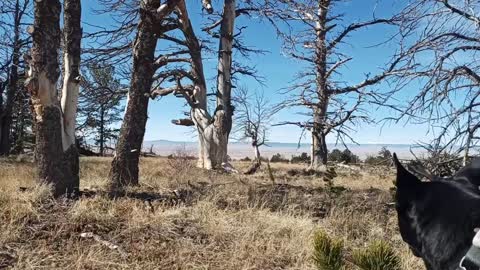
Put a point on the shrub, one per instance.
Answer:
(345, 156)
(439, 163)
(349, 157)
(302, 158)
(246, 159)
(377, 256)
(180, 163)
(383, 157)
(335, 155)
(328, 253)
(385, 153)
(278, 158)
(373, 160)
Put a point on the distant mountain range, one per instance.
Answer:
(274, 144)
(243, 149)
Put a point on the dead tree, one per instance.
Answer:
(15, 41)
(253, 117)
(335, 106)
(214, 128)
(124, 170)
(72, 36)
(57, 158)
(42, 79)
(150, 20)
(440, 38)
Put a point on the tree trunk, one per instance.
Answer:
(319, 129)
(124, 170)
(2, 87)
(224, 81)
(319, 151)
(20, 134)
(212, 150)
(208, 141)
(6, 122)
(257, 153)
(213, 131)
(102, 130)
(42, 79)
(467, 146)
(72, 36)
(12, 87)
(256, 163)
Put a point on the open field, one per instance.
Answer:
(215, 221)
(239, 150)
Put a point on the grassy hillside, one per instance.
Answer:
(184, 218)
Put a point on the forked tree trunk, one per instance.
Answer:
(72, 36)
(42, 79)
(211, 143)
(213, 130)
(212, 146)
(124, 170)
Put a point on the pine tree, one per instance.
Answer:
(100, 107)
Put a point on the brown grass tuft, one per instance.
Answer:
(209, 220)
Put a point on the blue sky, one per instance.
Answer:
(279, 71)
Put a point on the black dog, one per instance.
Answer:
(437, 219)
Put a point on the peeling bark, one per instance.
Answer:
(124, 170)
(72, 35)
(212, 151)
(53, 162)
(213, 130)
(224, 78)
(49, 152)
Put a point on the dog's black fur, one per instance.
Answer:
(437, 219)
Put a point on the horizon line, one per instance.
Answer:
(306, 143)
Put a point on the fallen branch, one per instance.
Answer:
(110, 245)
(227, 167)
(341, 165)
(253, 168)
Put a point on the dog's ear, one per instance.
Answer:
(404, 177)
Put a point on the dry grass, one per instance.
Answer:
(220, 222)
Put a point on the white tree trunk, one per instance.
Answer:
(257, 153)
(213, 130)
(69, 104)
(211, 150)
(224, 110)
(72, 36)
